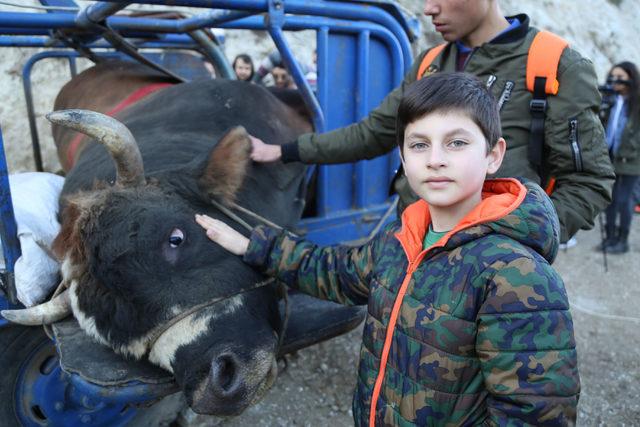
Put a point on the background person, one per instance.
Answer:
(483, 42)
(622, 123)
(243, 67)
(281, 77)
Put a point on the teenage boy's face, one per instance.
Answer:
(456, 19)
(445, 159)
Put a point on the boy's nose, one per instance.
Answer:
(431, 8)
(436, 158)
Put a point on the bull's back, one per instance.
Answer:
(101, 88)
(178, 127)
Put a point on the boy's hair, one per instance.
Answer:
(445, 92)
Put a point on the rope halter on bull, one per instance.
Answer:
(123, 148)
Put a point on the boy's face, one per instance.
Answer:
(456, 19)
(445, 159)
(242, 69)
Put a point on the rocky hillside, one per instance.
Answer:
(603, 30)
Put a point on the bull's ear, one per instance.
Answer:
(227, 166)
(76, 217)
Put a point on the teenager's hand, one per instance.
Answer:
(264, 153)
(223, 235)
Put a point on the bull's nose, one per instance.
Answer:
(224, 376)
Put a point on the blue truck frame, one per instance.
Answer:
(363, 52)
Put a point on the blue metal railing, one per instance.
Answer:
(363, 52)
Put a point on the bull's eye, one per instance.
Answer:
(176, 238)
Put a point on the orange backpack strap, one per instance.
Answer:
(542, 70)
(543, 60)
(428, 59)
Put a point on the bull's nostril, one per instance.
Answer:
(227, 372)
(224, 373)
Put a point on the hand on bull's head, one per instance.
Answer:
(224, 235)
(264, 153)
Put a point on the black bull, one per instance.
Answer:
(133, 256)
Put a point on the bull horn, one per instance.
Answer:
(115, 136)
(51, 311)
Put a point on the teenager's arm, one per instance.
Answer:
(371, 137)
(526, 345)
(577, 152)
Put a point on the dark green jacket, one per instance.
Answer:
(627, 159)
(483, 334)
(584, 177)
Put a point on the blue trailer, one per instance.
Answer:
(363, 52)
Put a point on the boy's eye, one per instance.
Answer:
(457, 143)
(419, 145)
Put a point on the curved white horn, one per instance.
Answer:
(51, 311)
(115, 136)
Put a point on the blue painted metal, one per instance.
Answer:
(8, 228)
(163, 42)
(46, 395)
(275, 21)
(363, 52)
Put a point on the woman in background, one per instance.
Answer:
(622, 124)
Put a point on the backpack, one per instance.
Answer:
(542, 67)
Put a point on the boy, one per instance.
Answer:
(467, 321)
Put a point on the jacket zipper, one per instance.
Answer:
(384, 356)
(506, 94)
(575, 145)
(491, 80)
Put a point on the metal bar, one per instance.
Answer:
(322, 50)
(72, 66)
(302, 7)
(98, 12)
(8, 228)
(26, 83)
(274, 22)
(306, 23)
(311, 7)
(362, 103)
(168, 40)
(213, 52)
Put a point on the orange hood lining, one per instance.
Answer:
(500, 197)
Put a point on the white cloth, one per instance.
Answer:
(35, 204)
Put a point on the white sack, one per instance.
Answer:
(35, 203)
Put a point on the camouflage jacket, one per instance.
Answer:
(475, 330)
(577, 159)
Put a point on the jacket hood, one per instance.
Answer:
(515, 208)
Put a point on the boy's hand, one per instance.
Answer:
(223, 235)
(264, 153)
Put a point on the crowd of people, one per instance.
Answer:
(468, 322)
(273, 67)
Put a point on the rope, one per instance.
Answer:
(604, 315)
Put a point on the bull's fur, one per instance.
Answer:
(125, 276)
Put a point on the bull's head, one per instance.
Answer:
(133, 258)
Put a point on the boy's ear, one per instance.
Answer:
(496, 155)
(401, 156)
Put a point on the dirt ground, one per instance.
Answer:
(317, 386)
